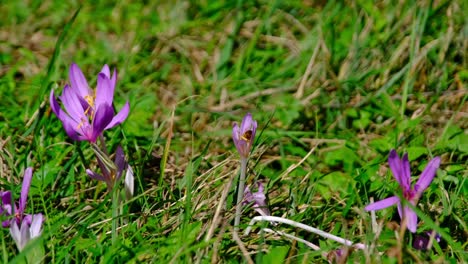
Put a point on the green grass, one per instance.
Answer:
(381, 76)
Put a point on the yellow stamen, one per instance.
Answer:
(90, 99)
(81, 123)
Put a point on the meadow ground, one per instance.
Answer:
(333, 85)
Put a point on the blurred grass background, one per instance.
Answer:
(354, 78)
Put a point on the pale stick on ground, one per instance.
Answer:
(305, 227)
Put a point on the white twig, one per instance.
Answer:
(312, 246)
(305, 227)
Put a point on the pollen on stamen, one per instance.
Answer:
(90, 99)
(88, 110)
(81, 123)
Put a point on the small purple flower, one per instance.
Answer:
(258, 199)
(339, 255)
(244, 136)
(23, 227)
(421, 241)
(401, 171)
(111, 175)
(88, 113)
(27, 230)
(7, 207)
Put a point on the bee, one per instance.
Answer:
(247, 136)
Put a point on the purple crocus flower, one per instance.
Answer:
(111, 175)
(27, 230)
(23, 227)
(258, 199)
(244, 135)
(88, 113)
(401, 171)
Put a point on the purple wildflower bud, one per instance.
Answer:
(257, 199)
(7, 207)
(88, 113)
(339, 255)
(244, 135)
(401, 171)
(421, 241)
(111, 175)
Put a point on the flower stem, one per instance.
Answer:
(115, 208)
(103, 145)
(103, 157)
(240, 193)
(400, 238)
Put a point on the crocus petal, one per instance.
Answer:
(6, 223)
(427, 176)
(411, 219)
(73, 106)
(20, 235)
(254, 132)
(248, 197)
(382, 203)
(396, 167)
(72, 128)
(78, 81)
(69, 124)
(247, 123)
(260, 187)
(101, 119)
(241, 145)
(27, 219)
(120, 162)
(400, 210)
(16, 234)
(54, 104)
(104, 91)
(406, 173)
(120, 117)
(25, 189)
(6, 202)
(113, 79)
(129, 183)
(36, 225)
(77, 126)
(236, 135)
(260, 204)
(258, 199)
(235, 132)
(105, 70)
(6, 197)
(95, 175)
